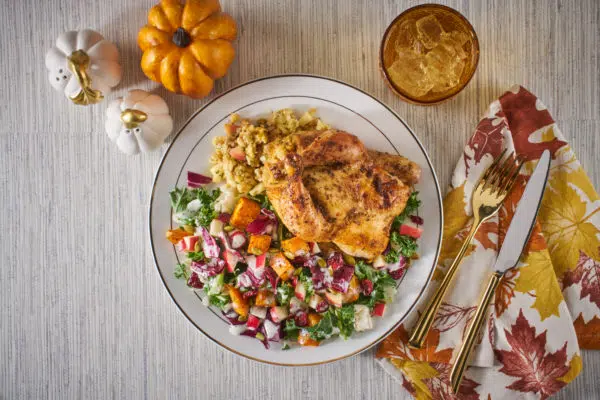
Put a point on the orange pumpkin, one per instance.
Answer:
(187, 46)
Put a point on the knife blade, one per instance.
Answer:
(523, 220)
(516, 238)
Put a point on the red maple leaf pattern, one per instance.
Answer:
(538, 371)
(487, 139)
(450, 315)
(586, 273)
(524, 118)
(441, 388)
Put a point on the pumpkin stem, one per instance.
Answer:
(181, 38)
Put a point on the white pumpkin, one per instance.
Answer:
(138, 122)
(84, 66)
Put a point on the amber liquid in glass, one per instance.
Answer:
(429, 53)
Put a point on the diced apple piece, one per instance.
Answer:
(259, 244)
(190, 243)
(279, 313)
(379, 262)
(334, 298)
(282, 266)
(295, 246)
(379, 309)
(411, 229)
(314, 301)
(353, 291)
(271, 330)
(314, 248)
(238, 153)
(300, 291)
(253, 322)
(231, 257)
(216, 227)
(260, 312)
(297, 305)
(237, 239)
(245, 211)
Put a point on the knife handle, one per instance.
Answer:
(458, 369)
(420, 330)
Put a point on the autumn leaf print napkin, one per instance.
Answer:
(548, 307)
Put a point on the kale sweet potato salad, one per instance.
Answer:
(273, 286)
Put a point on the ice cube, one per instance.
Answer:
(407, 37)
(408, 74)
(429, 31)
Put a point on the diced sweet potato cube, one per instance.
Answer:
(245, 211)
(239, 303)
(353, 291)
(304, 339)
(259, 244)
(295, 246)
(264, 298)
(175, 235)
(313, 319)
(282, 266)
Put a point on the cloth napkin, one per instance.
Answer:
(547, 308)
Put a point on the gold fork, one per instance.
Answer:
(492, 189)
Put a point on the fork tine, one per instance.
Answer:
(512, 177)
(492, 166)
(492, 170)
(500, 173)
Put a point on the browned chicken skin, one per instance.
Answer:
(327, 187)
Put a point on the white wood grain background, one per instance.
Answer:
(83, 312)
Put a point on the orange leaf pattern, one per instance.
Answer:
(530, 330)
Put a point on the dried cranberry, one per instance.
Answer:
(367, 286)
(301, 318)
(194, 281)
(416, 219)
(397, 274)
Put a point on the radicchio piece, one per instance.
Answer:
(204, 269)
(366, 286)
(341, 278)
(264, 224)
(416, 219)
(318, 277)
(197, 180)
(335, 261)
(271, 275)
(233, 318)
(194, 281)
(209, 244)
(250, 293)
(322, 306)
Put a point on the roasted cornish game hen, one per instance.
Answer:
(327, 187)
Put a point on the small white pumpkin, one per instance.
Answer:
(84, 66)
(138, 122)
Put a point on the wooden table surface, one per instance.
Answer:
(83, 311)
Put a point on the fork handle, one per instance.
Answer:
(458, 369)
(420, 330)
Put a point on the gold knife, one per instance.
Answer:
(515, 240)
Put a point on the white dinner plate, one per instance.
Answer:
(341, 106)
